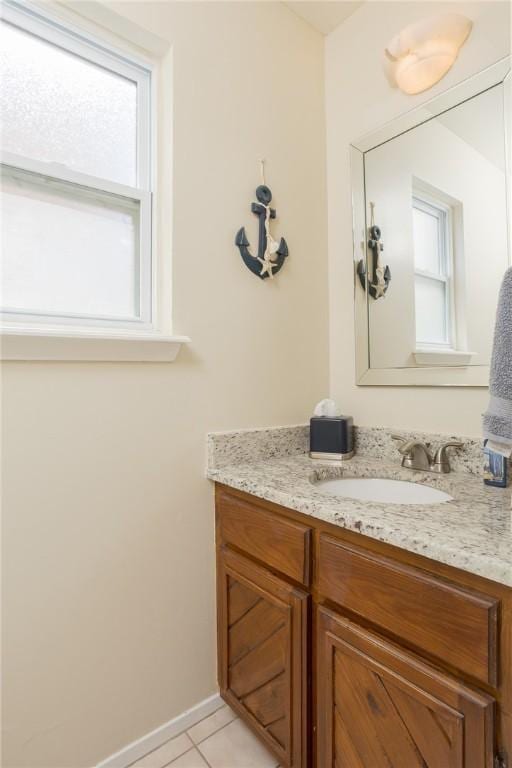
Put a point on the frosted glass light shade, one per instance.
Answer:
(421, 54)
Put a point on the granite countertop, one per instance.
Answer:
(473, 532)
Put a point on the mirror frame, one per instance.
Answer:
(445, 376)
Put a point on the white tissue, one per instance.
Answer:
(328, 408)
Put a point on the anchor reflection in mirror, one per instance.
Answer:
(379, 285)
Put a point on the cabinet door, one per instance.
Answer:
(262, 647)
(381, 707)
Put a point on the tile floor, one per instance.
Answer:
(219, 741)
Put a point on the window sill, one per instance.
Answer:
(32, 344)
(450, 357)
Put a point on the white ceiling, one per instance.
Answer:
(324, 16)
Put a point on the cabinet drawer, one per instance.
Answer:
(279, 543)
(456, 625)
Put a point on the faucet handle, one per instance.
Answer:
(441, 460)
(403, 440)
(406, 445)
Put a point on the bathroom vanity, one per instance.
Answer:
(340, 648)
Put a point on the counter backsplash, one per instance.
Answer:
(246, 446)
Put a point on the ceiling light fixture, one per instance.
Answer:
(422, 53)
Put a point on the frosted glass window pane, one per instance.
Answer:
(430, 303)
(426, 241)
(57, 107)
(67, 252)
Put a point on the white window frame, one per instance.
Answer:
(26, 335)
(443, 214)
(65, 37)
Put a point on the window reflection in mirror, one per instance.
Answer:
(433, 269)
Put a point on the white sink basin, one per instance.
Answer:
(383, 490)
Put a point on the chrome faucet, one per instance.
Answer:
(416, 455)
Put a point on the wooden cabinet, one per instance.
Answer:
(262, 652)
(343, 652)
(283, 545)
(380, 707)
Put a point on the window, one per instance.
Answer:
(433, 270)
(76, 179)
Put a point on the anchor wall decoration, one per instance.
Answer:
(271, 255)
(379, 283)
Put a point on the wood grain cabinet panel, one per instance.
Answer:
(262, 647)
(381, 707)
(281, 544)
(456, 625)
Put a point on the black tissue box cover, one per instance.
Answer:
(331, 435)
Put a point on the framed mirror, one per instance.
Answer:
(431, 222)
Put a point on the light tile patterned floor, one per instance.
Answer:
(219, 741)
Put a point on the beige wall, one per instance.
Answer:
(360, 100)
(108, 605)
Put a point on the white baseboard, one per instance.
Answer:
(163, 733)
